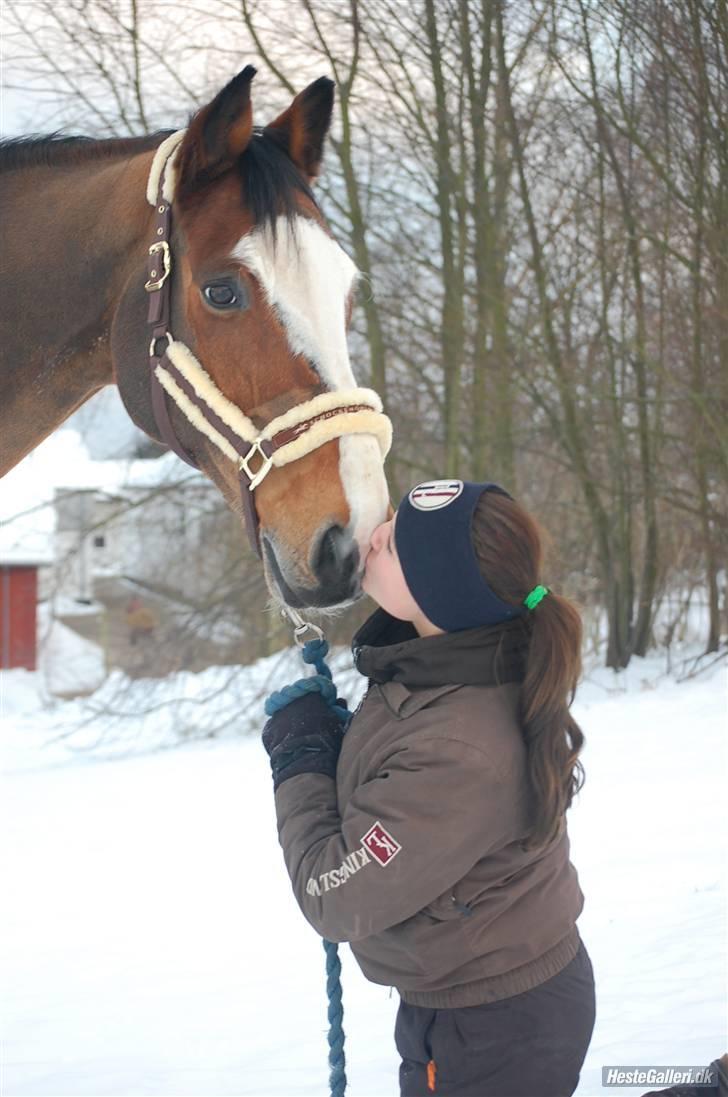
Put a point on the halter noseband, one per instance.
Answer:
(175, 372)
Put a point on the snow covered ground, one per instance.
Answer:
(151, 943)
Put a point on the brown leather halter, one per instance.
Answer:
(177, 381)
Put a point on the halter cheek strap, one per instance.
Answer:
(176, 373)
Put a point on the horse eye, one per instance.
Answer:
(223, 295)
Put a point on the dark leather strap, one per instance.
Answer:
(159, 288)
(161, 414)
(250, 512)
(241, 447)
(283, 437)
(159, 266)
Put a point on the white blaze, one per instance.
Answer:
(307, 278)
(365, 488)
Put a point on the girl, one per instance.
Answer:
(432, 835)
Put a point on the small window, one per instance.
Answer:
(99, 540)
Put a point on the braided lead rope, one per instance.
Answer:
(337, 1057)
(314, 653)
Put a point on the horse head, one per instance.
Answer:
(258, 309)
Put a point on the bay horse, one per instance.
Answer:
(196, 272)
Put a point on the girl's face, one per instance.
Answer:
(384, 580)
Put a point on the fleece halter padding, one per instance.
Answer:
(164, 165)
(338, 419)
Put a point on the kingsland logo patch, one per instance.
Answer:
(380, 843)
(335, 877)
(435, 494)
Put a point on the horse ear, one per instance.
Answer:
(303, 127)
(217, 135)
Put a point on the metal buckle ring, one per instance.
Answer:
(153, 344)
(163, 246)
(244, 463)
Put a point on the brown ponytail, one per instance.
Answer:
(507, 542)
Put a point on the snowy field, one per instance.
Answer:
(151, 943)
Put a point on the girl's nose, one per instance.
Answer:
(378, 537)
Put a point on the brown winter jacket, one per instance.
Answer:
(413, 854)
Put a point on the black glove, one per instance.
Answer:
(303, 737)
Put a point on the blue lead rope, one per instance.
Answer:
(314, 652)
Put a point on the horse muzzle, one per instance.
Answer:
(335, 567)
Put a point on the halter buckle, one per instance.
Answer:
(154, 284)
(244, 464)
(155, 340)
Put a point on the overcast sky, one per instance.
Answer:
(21, 111)
(25, 108)
(16, 112)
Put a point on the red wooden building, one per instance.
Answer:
(18, 601)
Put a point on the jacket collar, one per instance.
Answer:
(386, 649)
(403, 702)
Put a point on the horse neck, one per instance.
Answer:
(74, 235)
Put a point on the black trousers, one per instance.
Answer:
(530, 1045)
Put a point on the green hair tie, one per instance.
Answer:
(537, 595)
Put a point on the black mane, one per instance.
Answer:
(271, 181)
(58, 149)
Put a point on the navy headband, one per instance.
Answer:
(435, 550)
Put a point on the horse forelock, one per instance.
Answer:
(270, 184)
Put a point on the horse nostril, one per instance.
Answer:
(336, 557)
(327, 554)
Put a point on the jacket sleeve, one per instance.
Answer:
(432, 812)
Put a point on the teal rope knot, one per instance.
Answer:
(314, 653)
